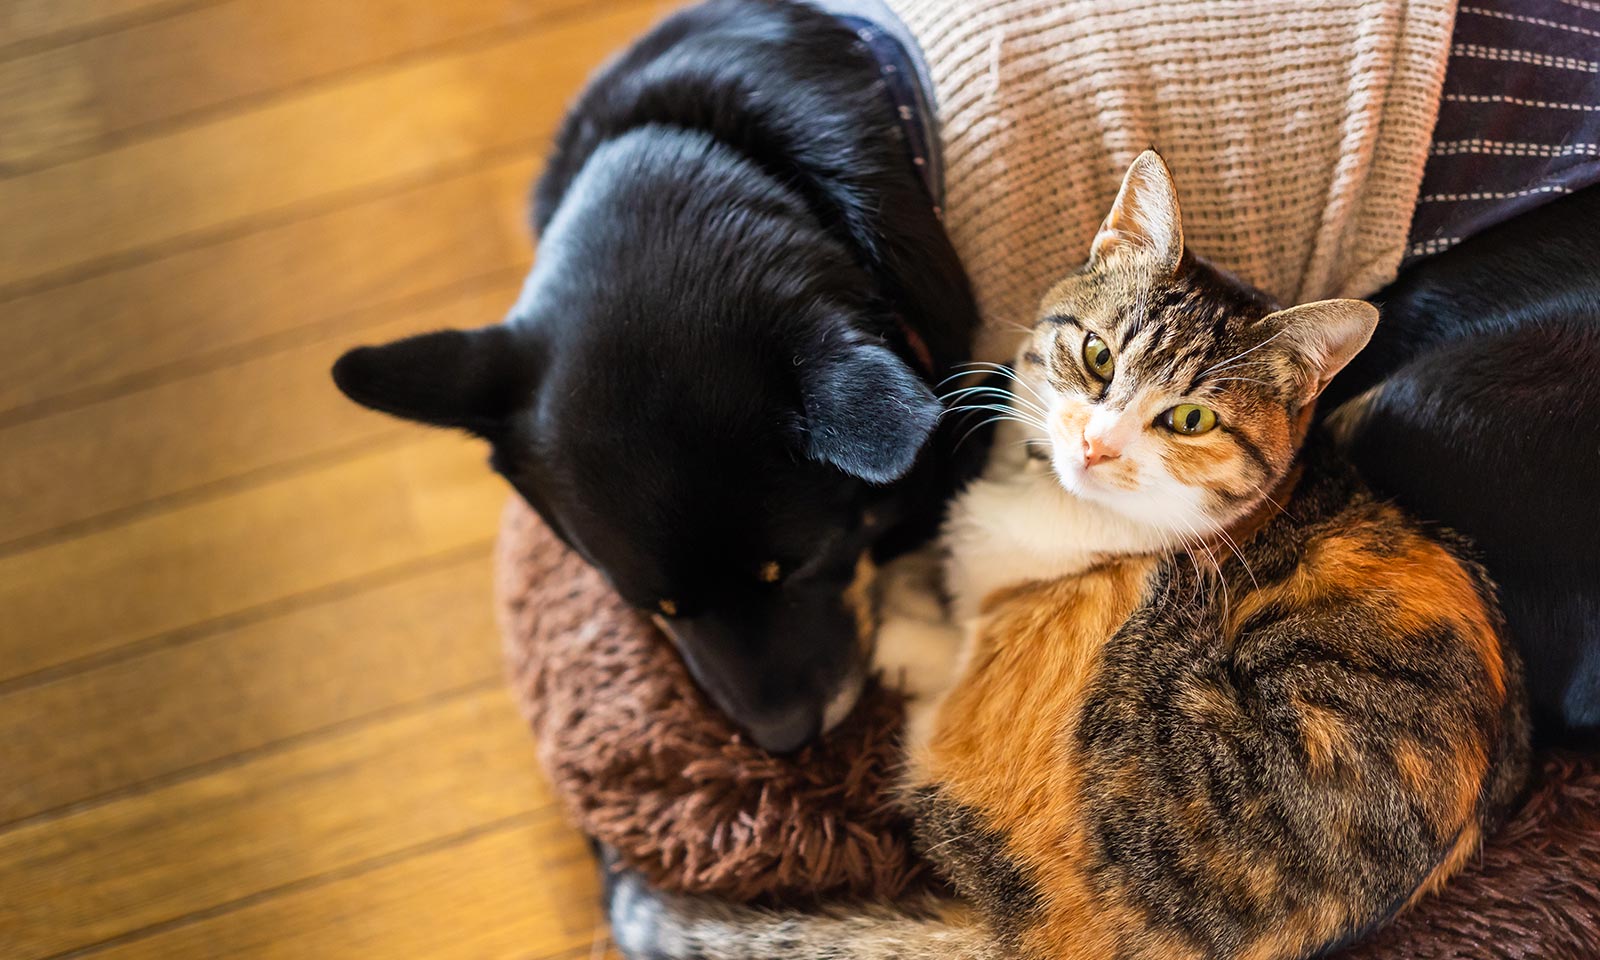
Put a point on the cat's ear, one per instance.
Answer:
(867, 413)
(1325, 336)
(468, 379)
(1144, 221)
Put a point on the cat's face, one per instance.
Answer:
(1167, 391)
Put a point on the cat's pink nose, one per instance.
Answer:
(1097, 450)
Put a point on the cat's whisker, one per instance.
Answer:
(988, 403)
(1005, 371)
(1011, 413)
(954, 395)
(1227, 538)
(1268, 497)
(995, 391)
(945, 843)
(976, 389)
(1037, 402)
(994, 419)
(1222, 581)
(986, 386)
(998, 418)
(979, 368)
(1211, 557)
(964, 374)
(1190, 543)
(1219, 367)
(1188, 550)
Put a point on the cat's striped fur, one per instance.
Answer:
(1250, 716)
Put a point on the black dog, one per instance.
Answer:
(716, 386)
(1477, 405)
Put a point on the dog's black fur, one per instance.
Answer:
(709, 370)
(1484, 415)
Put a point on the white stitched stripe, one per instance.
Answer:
(1524, 56)
(1512, 195)
(1512, 148)
(1427, 247)
(1583, 5)
(1498, 15)
(1518, 101)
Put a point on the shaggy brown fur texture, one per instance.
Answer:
(643, 764)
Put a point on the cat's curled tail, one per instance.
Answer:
(649, 925)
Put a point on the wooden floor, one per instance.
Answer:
(251, 702)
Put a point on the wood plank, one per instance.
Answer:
(241, 690)
(239, 419)
(526, 893)
(250, 691)
(221, 556)
(332, 804)
(74, 100)
(403, 123)
(32, 21)
(198, 304)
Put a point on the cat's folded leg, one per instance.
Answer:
(917, 646)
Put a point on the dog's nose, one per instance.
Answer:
(787, 730)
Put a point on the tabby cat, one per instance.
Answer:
(1212, 699)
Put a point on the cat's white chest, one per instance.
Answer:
(1016, 525)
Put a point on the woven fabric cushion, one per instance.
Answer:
(643, 764)
(1297, 133)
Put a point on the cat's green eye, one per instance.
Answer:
(1097, 357)
(1189, 419)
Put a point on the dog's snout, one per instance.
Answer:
(787, 730)
(784, 675)
(843, 702)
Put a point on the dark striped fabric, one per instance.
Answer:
(910, 99)
(908, 88)
(1519, 124)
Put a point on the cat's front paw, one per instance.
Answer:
(917, 657)
(916, 646)
(910, 587)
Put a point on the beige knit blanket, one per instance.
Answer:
(1297, 131)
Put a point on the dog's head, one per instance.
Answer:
(689, 393)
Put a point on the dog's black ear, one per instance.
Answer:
(868, 414)
(470, 379)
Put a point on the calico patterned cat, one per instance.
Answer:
(1208, 698)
